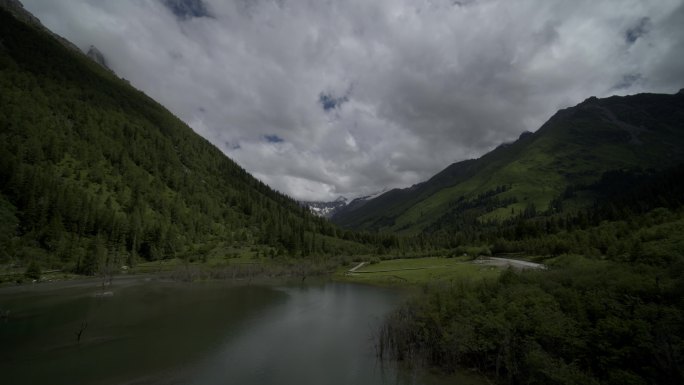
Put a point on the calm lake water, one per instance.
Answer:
(154, 332)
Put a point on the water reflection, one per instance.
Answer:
(321, 334)
(153, 332)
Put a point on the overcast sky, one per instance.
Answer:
(322, 98)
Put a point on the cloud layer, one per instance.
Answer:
(326, 98)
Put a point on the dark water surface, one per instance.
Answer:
(153, 332)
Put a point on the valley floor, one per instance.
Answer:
(419, 271)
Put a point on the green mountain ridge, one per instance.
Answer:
(574, 147)
(94, 172)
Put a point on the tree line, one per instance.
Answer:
(95, 173)
(609, 309)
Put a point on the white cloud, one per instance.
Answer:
(427, 83)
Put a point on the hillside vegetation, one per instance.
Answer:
(609, 309)
(575, 147)
(596, 194)
(94, 174)
(582, 322)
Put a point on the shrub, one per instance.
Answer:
(33, 270)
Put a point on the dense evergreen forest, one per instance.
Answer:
(94, 173)
(606, 217)
(584, 321)
(574, 147)
(608, 310)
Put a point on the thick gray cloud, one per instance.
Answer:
(327, 98)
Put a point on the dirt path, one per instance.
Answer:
(353, 269)
(505, 262)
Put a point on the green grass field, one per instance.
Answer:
(213, 259)
(419, 271)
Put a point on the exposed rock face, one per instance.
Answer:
(97, 56)
(16, 8)
(325, 209)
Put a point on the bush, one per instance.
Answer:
(583, 322)
(33, 270)
(471, 251)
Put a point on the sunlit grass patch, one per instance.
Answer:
(421, 271)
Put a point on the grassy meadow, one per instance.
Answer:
(419, 271)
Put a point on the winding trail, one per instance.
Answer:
(489, 261)
(505, 262)
(353, 269)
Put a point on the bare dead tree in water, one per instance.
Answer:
(80, 331)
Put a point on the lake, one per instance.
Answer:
(150, 331)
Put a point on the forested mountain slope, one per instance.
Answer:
(92, 169)
(575, 147)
